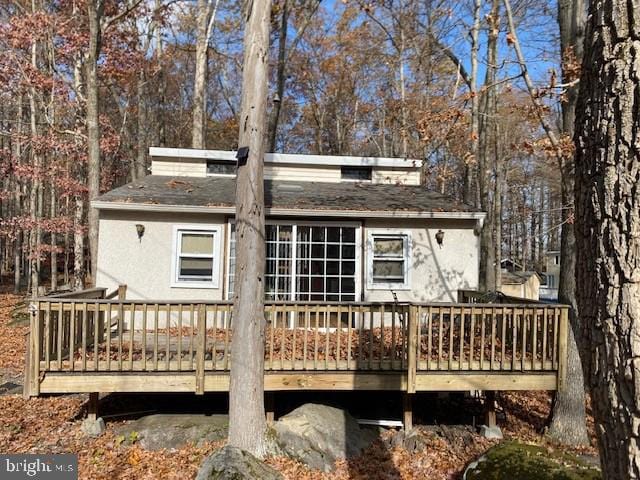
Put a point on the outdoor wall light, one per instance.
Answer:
(140, 230)
(439, 237)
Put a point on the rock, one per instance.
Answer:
(231, 463)
(317, 435)
(514, 460)
(93, 428)
(415, 441)
(492, 433)
(155, 432)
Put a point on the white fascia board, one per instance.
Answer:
(286, 158)
(288, 212)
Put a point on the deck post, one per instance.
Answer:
(412, 345)
(407, 411)
(200, 346)
(269, 406)
(563, 339)
(92, 407)
(490, 409)
(122, 292)
(32, 380)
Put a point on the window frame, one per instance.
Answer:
(405, 235)
(178, 231)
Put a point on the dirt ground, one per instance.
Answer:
(52, 425)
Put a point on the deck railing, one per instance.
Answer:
(119, 335)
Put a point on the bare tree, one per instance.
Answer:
(568, 422)
(206, 16)
(607, 217)
(247, 424)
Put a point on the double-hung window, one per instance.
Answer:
(389, 255)
(196, 256)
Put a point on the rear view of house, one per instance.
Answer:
(338, 229)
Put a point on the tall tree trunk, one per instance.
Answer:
(607, 219)
(274, 117)
(54, 244)
(487, 132)
(468, 195)
(95, 13)
(35, 202)
(568, 422)
(142, 146)
(17, 153)
(205, 18)
(247, 424)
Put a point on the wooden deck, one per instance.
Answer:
(118, 345)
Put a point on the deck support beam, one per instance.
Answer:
(269, 406)
(92, 406)
(407, 411)
(490, 409)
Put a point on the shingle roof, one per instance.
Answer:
(220, 192)
(515, 278)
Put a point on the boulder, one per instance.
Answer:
(317, 435)
(514, 460)
(155, 432)
(231, 463)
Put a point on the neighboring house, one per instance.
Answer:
(338, 229)
(521, 284)
(510, 265)
(549, 291)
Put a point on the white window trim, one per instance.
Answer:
(408, 248)
(305, 223)
(215, 277)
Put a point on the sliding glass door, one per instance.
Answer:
(307, 261)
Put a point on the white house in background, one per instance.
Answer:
(549, 291)
(338, 229)
(520, 284)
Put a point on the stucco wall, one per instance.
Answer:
(145, 266)
(436, 273)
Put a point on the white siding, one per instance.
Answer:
(436, 274)
(396, 176)
(179, 168)
(297, 173)
(145, 265)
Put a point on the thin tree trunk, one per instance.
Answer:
(247, 424)
(34, 196)
(95, 12)
(142, 147)
(607, 242)
(468, 195)
(17, 274)
(205, 18)
(78, 245)
(487, 131)
(568, 421)
(274, 117)
(54, 244)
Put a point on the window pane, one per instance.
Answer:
(348, 285)
(388, 270)
(317, 267)
(317, 234)
(221, 167)
(302, 284)
(302, 266)
(348, 268)
(333, 234)
(393, 247)
(198, 243)
(317, 251)
(271, 232)
(333, 268)
(333, 285)
(304, 233)
(285, 233)
(348, 251)
(349, 235)
(355, 173)
(196, 267)
(333, 251)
